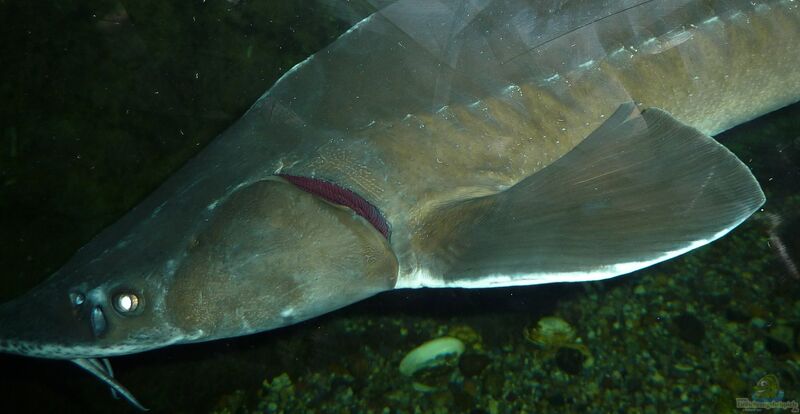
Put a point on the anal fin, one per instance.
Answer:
(641, 189)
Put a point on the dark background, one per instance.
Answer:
(102, 100)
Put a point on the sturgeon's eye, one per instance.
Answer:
(126, 303)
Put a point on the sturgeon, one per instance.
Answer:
(446, 143)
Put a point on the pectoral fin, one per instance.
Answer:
(641, 189)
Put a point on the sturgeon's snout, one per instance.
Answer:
(41, 324)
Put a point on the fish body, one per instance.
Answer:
(450, 143)
(538, 86)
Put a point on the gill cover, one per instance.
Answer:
(273, 255)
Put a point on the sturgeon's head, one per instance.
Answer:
(81, 315)
(264, 255)
(85, 315)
